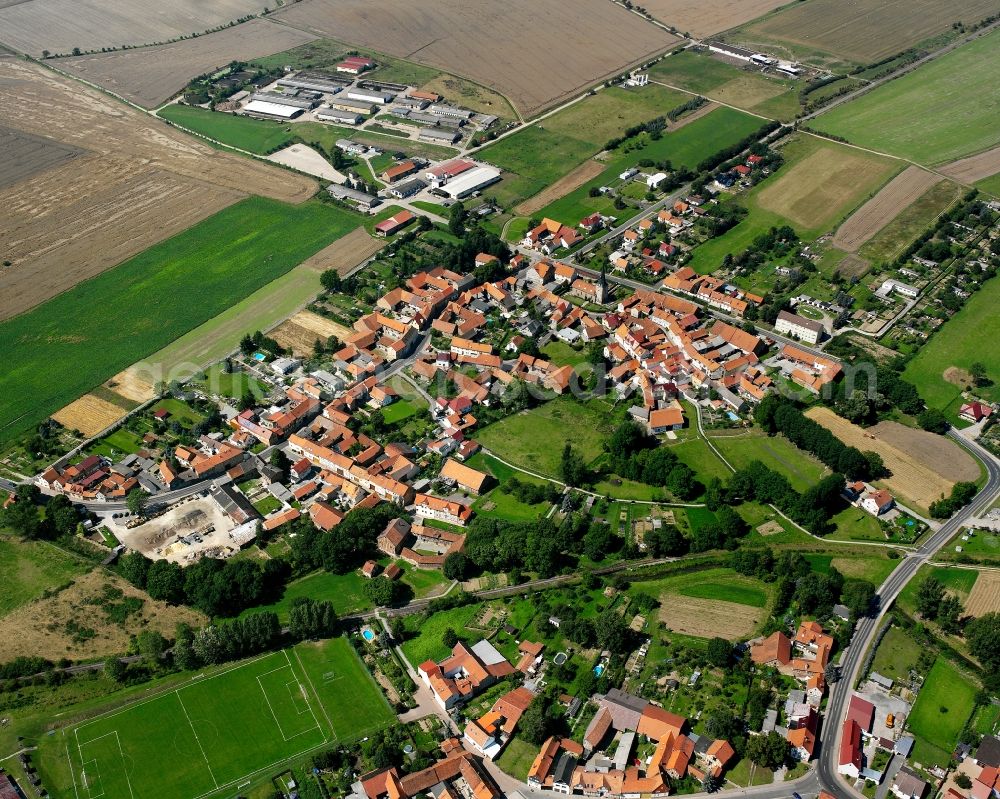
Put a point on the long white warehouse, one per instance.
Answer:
(471, 181)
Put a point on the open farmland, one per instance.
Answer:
(138, 183)
(150, 76)
(89, 414)
(924, 466)
(510, 47)
(909, 223)
(710, 16)
(822, 182)
(150, 300)
(708, 618)
(574, 180)
(985, 596)
(898, 194)
(944, 110)
(975, 167)
(26, 155)
(830, 32)
(60, 25)
(31, 568)
(302, 330)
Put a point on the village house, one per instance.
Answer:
(466, 672)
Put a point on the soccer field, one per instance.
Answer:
(216, 732)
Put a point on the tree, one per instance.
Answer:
(611, 632)
(597, 542)
(719, 652)
(572, 467)
(724, 725)
(456, 566)
(381, 591)
(535, 725)
(831, 673)
(135, 501)
(183, 651)
(876, 466)
(963, 781)
(456, 220)
(151, 645)
(858, 596)
(165, 581)
(309, 618)
(114, 669)
(770, 751)
(933, 420)
(929, 595)
(950, 614)
(330, 280)
(665, 541)
(449, 638)
(134, 567)
(983, 635)
(979, 374)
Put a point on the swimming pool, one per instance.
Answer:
(732, 416)
(368, 635)
(599, 669)
(259, 356)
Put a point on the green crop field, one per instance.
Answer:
(941, 111)
(213, 733)
(32, 567)
(77, 340)
(943, 706)
(959, 343)
(728, 592)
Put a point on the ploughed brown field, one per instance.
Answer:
(535, 52)
(708, 618)
(709, 16)
(586, 171)
(885, 206)
(149, 76)
(135, 182)
(60, 25)
(975, 167)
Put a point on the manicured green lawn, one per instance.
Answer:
(561, 353)
(345, 591)
(497, 504)
(266, 505)
(959, 343)
(230, 384)
(775, 452)
(32, 567)
(114, 445)
(517, 758)
(400, 410)
(941, 111)
(943, 706)
(179, 411)
(150, 300)
(855, 524)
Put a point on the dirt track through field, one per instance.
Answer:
(880, 210)
(139, 182)
(535, 52)
(89, 414)
(708, 16)
(574, 180)
(975, 167)
(708, 618)
(985, 595)
(150, 76)
(924, 466)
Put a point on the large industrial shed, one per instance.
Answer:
(471, 181)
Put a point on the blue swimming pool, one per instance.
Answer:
(732, 416)
(599, 669)
(259, 356)
(368, 635)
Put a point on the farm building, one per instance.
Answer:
(471, 181)
(430, 97)
(379, 98)
(412, 103)
(341, 117)
(347, 104)
(394, 223)
(448, 170)
(399, 171)
(440, 135)
(315, 82)
(351, 147)
(265, 109)
(450, 111)
(355, 65)
(728, 50)
(304, 102)
(407, 188)
(362, 200)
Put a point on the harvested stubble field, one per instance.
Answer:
(346, 253)
(89, 414)
(862, 31)
(710, 16)
(26, 155)
(45, 628)
(61, 25)
(139, 183)
(523, 49)
(574, 180)
(149, 76)
(975, 167)
(924, 466)
(707, 618)
(985, 596)
(301, 331)
(897, 195)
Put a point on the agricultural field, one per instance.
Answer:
(300, 332)
(985, 595)
(954, 348)
(210, 734)
(138, 183)
(943, 706)
(194, 280)
(892, 200)
(834, 34)
(90, 415)
(150, 76)
(698, 71)
(704, 19)
(29, 155)
(504, 47)
(60, 25)
(923, 465)
(943, 111)
(974, 168)
(31, 568)
(776, 452)
(910, 222)
(960, 581)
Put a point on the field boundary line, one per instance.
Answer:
(196, 738)
(286, 738)
(322, 707)
(72, 771)
(305, 696)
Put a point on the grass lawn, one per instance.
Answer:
(944, 110)
(426, 641)
(722, 584)
(775, 452)
(345, 591)
(561, 353)
(534, 439)
(696, 453)
(32, 567)
(150, 300)
(913, 220)
(896, 655)
(517, 758)
(959, 581)
(959, 343)
(267, 505)
(728, 592)
(943, 706)
(855, 524)
(114, 445)
(230, 384)
(401, 410)
(742, 771)
(179, 411)
(254, 135)
(496, 504)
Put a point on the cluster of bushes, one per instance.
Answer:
(654, 127)
(778, 415)
(498, 545)
(531, 493)
(61, 519)
(961, 495)
(634, 455)
(812, 510)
